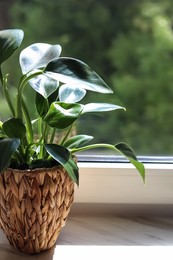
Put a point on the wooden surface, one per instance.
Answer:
(97, 236)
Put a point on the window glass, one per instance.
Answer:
(129, 44)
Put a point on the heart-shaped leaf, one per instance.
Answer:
(77, 141)
(100, 107)
(38, 55)
(14, 127)
(63, 156)
(42, 104)
(62, 115)
(71, 93)
(10, 40)
(73, 71)
(7, 148)
(44, 85)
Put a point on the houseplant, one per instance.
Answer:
(38, 171)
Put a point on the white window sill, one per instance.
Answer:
(120, 183)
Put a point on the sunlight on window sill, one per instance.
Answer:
(113, 252)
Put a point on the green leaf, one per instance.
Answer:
(62, 115)
(7, 148)
(100, 107)
(10, 40)
(53, 97)
(2, 134)
(123, 148)
(38, 55)
(63, 156)
(77, 141)
(73, 71)
(127, 151)
(14, 127)
(44, 85)
(41, 104)
(71, 93)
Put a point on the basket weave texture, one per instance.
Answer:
(34, 205)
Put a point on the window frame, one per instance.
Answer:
(115, 181)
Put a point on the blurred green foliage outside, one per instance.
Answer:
(130, 44)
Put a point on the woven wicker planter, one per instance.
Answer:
(34, 205)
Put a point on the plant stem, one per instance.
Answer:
(1, 76)
(66, 135)
(4, 82)
(7, 96)
(43, 131)
(52, 135)
(24, 80)
(93, 146)
(28, 123)
(19, 98)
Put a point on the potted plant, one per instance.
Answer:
(38, 172)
